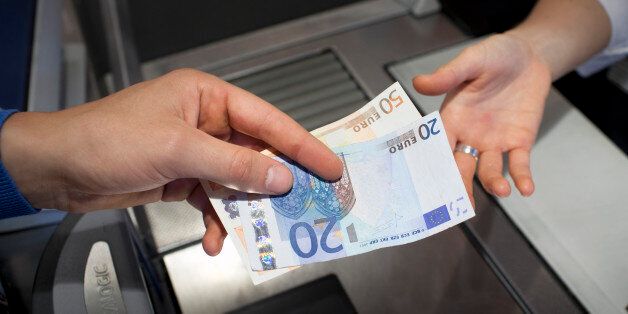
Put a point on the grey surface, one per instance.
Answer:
(60, 287)
(618, 74)
(58, 59)
(517, 265)
(75, 70)
(43, 218)
(20, 252)
(440, 274)
(308, 87)
(364, 51)
(576, 218)
(121, 52)
(423, 7)
(169, 224)
(215, 55)
(45, 87)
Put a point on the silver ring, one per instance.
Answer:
(467, 149)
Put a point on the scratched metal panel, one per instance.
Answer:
(314, 90)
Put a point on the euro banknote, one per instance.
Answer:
(395, 189)
(382, 115)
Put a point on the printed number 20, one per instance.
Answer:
(313, 240)
(425, 131)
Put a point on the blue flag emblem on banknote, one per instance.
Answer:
(436, 217)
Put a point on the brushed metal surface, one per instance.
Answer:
(577, 215)
(307, 87)
(442, 274)
(100, 286)
(168, 225)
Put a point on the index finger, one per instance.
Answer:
(255, 117)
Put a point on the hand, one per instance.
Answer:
(496, 92)
(152, 142)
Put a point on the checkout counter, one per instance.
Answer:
(563, 250)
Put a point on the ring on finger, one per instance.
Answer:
(467, 149)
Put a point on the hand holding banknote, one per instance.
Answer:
(147, 142)
(394, 190)
(399, 184)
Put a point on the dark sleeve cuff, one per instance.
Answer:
(12, 202)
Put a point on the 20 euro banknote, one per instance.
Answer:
(395, 189)
(382, 115)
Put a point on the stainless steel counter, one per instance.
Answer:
(441, 274)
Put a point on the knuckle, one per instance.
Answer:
(241, 167)
(522, 142)
(180, 82)
(218, 93)
(190, 77)
(185, 73)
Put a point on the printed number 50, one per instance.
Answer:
(388, 104)
(313, 240)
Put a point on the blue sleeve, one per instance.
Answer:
(12, 202)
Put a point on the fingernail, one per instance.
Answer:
(278, 180)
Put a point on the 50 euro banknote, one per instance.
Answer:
(395, 189)
(382, 115)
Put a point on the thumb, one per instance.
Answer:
(466, 66)
(205, 157)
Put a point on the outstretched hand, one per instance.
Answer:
(496, 92)
(154, 141)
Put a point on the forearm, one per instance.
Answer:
(24, 149)
(565, 33)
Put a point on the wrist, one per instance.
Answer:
(536, 49)
(25, 152)
(564, 34)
